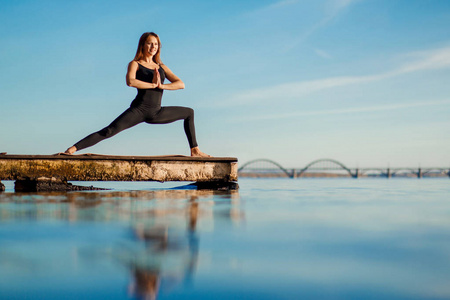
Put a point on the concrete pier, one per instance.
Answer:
(93, 167)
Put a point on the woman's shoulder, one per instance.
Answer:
(164, 67)
(133, 66)
(133, 63)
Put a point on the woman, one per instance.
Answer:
(146, 72)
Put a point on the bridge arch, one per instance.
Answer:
(404, 171)
(267, 161)
(341, 165)
(436, 170)
(373, 171)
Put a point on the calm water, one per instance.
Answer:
(273, 239)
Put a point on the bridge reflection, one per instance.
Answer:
(332, 168)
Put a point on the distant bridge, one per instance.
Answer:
(331, 168)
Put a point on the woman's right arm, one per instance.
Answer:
(133, 82)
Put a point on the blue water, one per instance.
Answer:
(272, 239)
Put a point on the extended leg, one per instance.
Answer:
(169, 114)
(127, 119)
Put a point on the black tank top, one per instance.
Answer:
(148, 98)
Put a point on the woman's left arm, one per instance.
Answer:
(175, 82)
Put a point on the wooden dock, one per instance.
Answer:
(94, 167)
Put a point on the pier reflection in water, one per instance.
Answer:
(90, 237)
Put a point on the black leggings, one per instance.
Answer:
(134, 115)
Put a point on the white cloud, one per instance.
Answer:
(340, 4)
(348, 110)
(433, 59)
(269, 8)
(332, 9)
(322, 53)
(283, 3)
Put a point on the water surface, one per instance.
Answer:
(272, 239)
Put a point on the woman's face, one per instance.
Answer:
(151, 45)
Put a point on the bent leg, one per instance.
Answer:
(127, 119)
(169, 114)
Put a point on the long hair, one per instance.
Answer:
(140, 50)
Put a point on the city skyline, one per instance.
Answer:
(359, 81)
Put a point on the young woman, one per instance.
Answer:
(147, 73)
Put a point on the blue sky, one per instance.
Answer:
(365, 82)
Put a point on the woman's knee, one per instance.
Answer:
(190, 112)
(108, 132)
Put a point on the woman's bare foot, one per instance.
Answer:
(197, 153)
(71, 150)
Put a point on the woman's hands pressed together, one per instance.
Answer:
(157, 79)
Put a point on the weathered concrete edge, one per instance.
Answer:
(118, 170)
